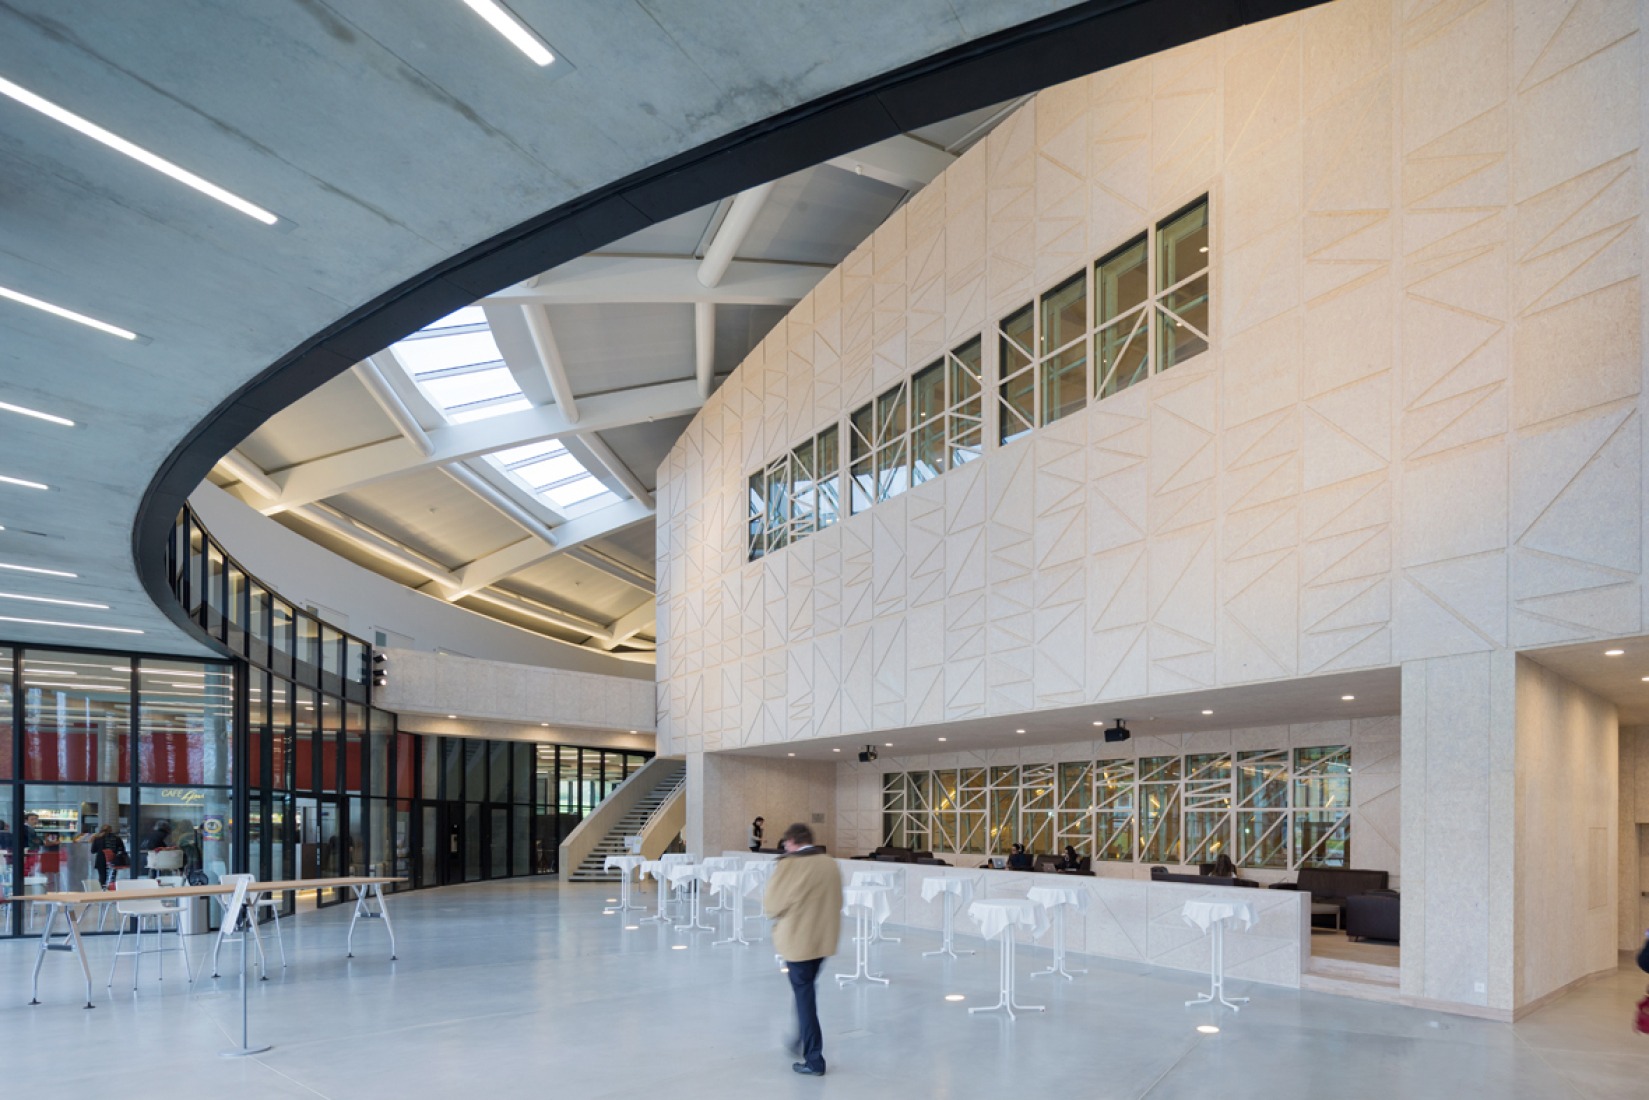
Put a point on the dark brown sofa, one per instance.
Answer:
(1332, 886)
(1377, 915)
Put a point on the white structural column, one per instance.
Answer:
(704, 345)
(1459, 831)
(741, 215)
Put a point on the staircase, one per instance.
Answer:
(632, 824)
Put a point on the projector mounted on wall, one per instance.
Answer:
(1118, 732)
(868, 754)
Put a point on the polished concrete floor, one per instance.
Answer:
(527, 988)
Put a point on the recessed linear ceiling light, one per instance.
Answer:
(22, 410)
(136, 152)
(67, 314)
(835, 750)
(71, 626)
(23, 482)
(50, 599)
(1613, 652)
(506, 24)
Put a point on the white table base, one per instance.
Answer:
(71, 943)
(624, 903)
(862, 939)
(369, 905)
(695, 924)
(949, 946)
(736, 934)
(1005, 1001)
(1216, 975)
(662, 915)
(1059, 948)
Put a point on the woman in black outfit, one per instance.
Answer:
(756, 835)
(108, 854)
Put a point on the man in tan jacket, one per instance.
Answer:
(804, 899)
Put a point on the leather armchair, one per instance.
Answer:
(1374, 916)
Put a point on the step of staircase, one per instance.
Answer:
(1343, 978)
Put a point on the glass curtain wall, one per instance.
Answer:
(141, 747)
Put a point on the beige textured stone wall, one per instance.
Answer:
(1568, 788)
(1418, 434)
(1376, 811)
(1633, 855)
(726, 792)
(433, 683)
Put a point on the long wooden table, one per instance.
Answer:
(369, 905)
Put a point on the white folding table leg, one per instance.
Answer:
(363, 911)
(71, 943)
(861, 950)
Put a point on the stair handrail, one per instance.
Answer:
(680, 782)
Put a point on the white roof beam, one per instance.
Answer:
(484, 489)
(729, 238)
(536, 610)
(599, 279)
(509, 560)
(907, 163)
(616, 569)
(549, 359)
(615, 466)
(631, 623)
(248, 473)
(341, 473)
(370, 372)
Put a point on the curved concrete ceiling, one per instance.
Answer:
(400, 147)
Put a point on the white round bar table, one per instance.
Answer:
(894, 880)
(687, 876)
(1211, 917)
(869, 906)
(997, 918)
(946, 888)
(712, 864)
(626, 867)
(660, 871)
(1057, 899)
(756, 872)
(728, 886)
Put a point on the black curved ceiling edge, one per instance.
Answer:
(1080, 40)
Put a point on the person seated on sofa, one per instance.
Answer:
(1223, 867)
(1019, 859)
(1070, 861)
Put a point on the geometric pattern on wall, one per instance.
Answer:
(1417, 431)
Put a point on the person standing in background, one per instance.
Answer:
(756, 835)
(804, 900)
(108, 854)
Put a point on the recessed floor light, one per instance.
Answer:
(1208, 1029)
(790, 754)
(955, 997)
(1613, 652)
(70, 626)
(942, 739)
(136, 152)
(1208, 712)
(52, 600)
(452, 716)
(506, 24)
(23, 410)
(889, 744)
(1019, 731)
(1347, 698)
(835, 750)
(21, 482)
(631, 927)
(678, 947)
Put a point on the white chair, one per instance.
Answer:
(146, 910)
(91, 886)
(226, 932)
(271, 902)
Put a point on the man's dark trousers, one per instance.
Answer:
(809, 1040)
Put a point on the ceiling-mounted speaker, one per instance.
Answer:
(1118, 732)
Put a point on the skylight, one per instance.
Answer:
(456, 363)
